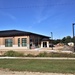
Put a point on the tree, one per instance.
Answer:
(57, 41)
(64, 40)
(67, 39)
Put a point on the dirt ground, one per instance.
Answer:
(2, 72)
(36, 51)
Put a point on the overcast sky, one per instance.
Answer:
(38, 16)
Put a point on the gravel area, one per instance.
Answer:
(2, 72)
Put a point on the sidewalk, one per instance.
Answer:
(59, 58)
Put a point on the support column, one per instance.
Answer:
(41, 44)
(28, 42)
(47, 44)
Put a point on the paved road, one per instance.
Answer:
(60, 58)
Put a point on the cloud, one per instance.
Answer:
(8, 15)
(40, 20)
(44, 18)
(40, 13)
(45, 11)
(11, 16)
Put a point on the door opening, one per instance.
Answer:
(44, 44)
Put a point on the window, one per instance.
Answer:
(36, 42)
(8, 42)
(31, 40)
(24, 42)
(18, 42)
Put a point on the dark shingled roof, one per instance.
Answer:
(12, 33)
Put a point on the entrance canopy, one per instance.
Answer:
(45, 42)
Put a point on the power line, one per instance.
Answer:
(37, 6)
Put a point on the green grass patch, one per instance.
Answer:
(55, 66)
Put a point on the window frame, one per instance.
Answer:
(8, 42)
(24, 42)
(18, 42)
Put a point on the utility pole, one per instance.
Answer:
(73, 36)
(52, 39)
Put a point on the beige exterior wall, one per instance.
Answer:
(1, 41)
(15, 42)
(16, 39)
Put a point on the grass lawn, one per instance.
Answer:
(55, 66)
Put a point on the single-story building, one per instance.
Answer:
(16, 39)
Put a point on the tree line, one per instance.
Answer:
(64, 40)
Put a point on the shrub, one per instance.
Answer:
(13, 54)
(55, 55)
(61, 55)
(30, 55)
(44, 54)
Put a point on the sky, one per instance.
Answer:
(38, 16)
